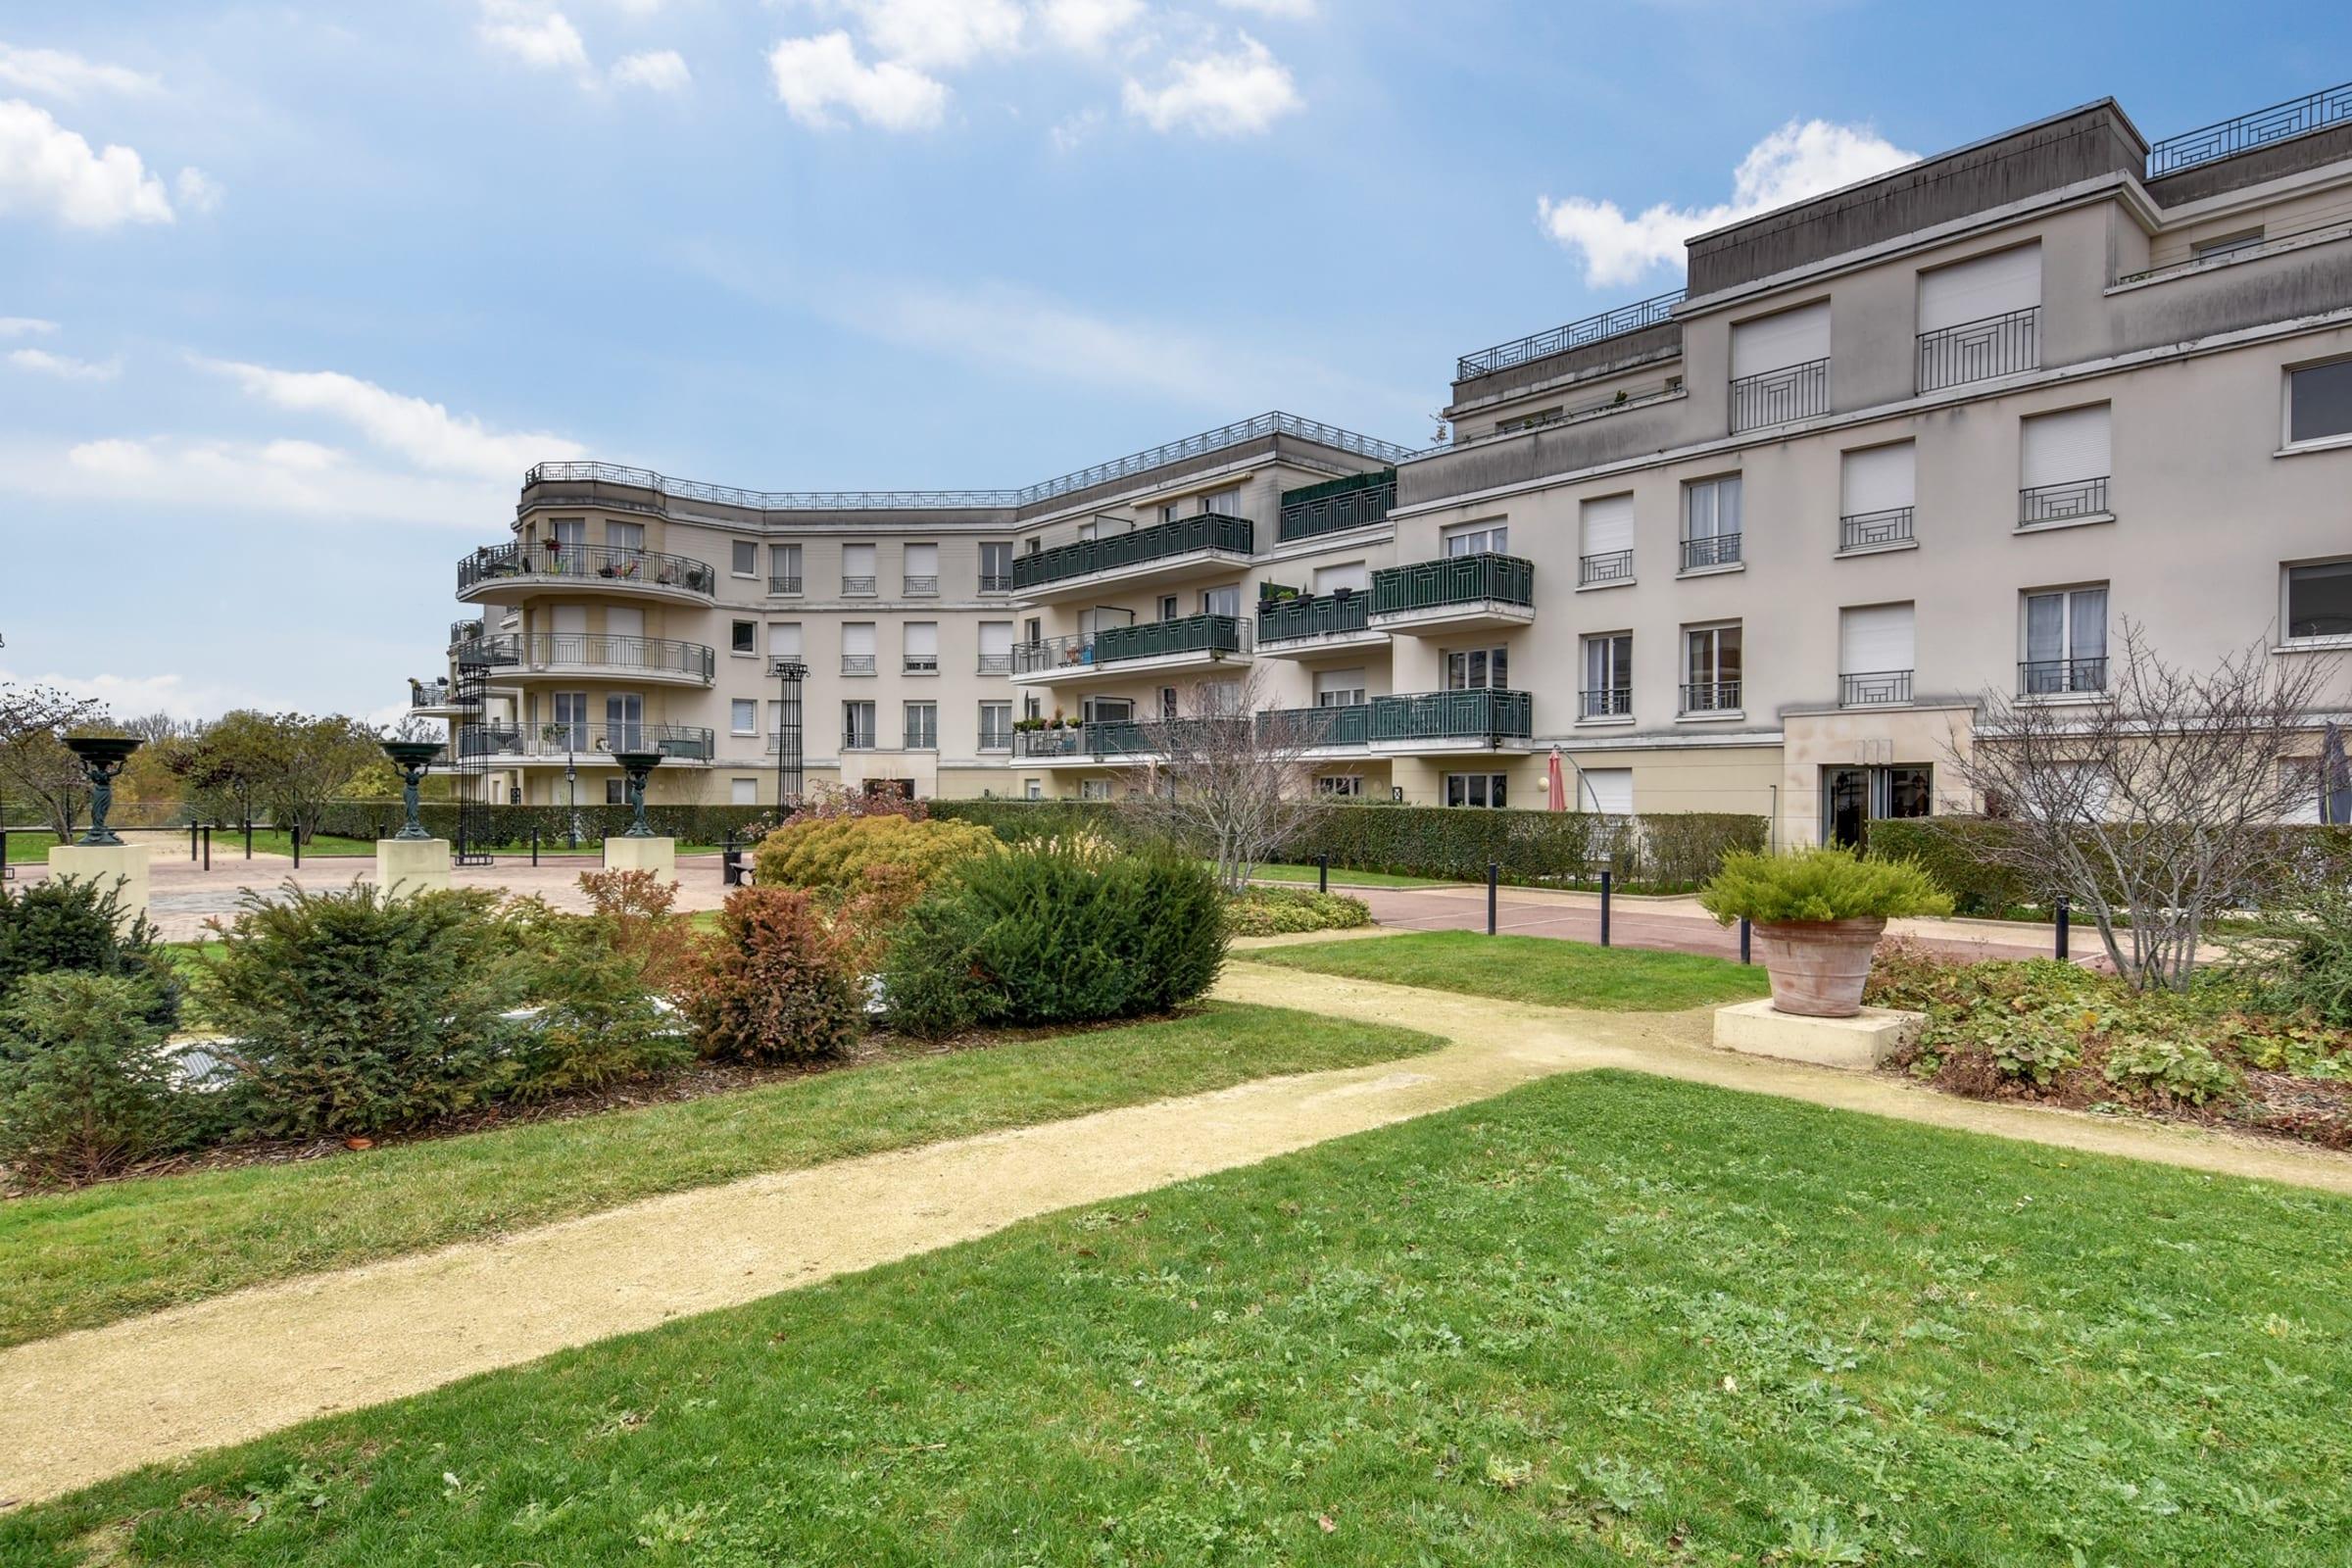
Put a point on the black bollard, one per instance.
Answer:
(1322, 873)
(249, 838)
(2062, 931)
(534, 841)
(191, 840)
(207, 845)
(1745, 934)
(1494, 872)
(1605, 879)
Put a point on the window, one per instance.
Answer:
(1476, 789)
(745, 559)
(1981, 317)
(1490, 537)
(1606, 547)
(2205, 250)
(742, 637)
(2319, 601)
(1609, 675)
(1875, 494)
(1351, 577)
(1168, 702)
(625, 721)
(1347, 786)
(743, 717)
(1226, 600)
(923, 726)
(1781, 366)
(1711, 523)
(1339, 688)
(857, 727)
(921, 570)
(2319, 402)
(996, 566)
(783, 639)
(743, 791)
(996, 647)
(1607, 790)
(2064, 635)
(921, 648)
(1167, 607)
(1469, 669)
(620, 535)
(783, 718)
(856, 569)
(1874, 655)
(857, 647)
(569, 731)
(1094, 789)
(783, 568)
(1106, 709)
(1225, 503)
(616, 792)
(1711, 669)
(1033, 789)
(2063, 466)
(1221, 697)
(570, 532)
(996, 726)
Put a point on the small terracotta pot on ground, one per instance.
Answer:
(1818, 967)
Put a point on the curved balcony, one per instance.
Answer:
(581, 745)
(635, 660)
(506, 573)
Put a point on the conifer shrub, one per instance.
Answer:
(777, 982)
(85, 1086)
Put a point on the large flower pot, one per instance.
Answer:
(1818, 967)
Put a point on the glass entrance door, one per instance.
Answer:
(1853, 798)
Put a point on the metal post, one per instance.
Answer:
(1745, 933)
(294, 837)
(534, 841)
(249, 838)
(1322, 873)
(191, 840)
(2062, 930)
(3, 853)
(1607, 879)
(1493, 873)
(207, 845)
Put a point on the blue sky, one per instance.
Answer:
(290, 295)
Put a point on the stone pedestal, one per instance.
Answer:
(108, 864)
(410, 866)
(658, 855)
(1863, 1041)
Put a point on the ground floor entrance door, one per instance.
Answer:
(1852, 798)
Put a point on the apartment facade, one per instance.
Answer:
(1756, 545)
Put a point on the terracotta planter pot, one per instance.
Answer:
(1818, 967)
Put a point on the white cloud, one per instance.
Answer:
(660, 70)
(298, 478)
(1088, 26)
(56, 73)
(1794, 163)
(1070, 133)
(935, 34)
(426, 434)
(1288, 10)
(199, 192)
(540, 38)
(24, 326)
(47, 169)
(134, 696)
(1233, 94)
(64, 367)
(814, 76)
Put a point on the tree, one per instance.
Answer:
(228, 765)
(313, 761)
(34, 764)
(2155, 807)
(1231, 783)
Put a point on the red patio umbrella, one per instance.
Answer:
(1559, 790)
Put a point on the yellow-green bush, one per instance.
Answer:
(831, 854)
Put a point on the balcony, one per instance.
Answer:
(1315, 622)
(582, 744)
(574, 653)
(921, 587)
(438, 699)
(1711, 554)
(519, 571)
(1978, 351)
(1095, 741)
(1703, 697)
(1575, 334)
(1884, 688)
(996, 663)
(996, 582)
(1863, 531)
(2062, 677)
(1343, 724)
(1606, 701)
(2327, 107)
(858, 587)
(1454, 593)
(1779, 397)
(783, 585)
(1189, 642)
(1164, 551)
(1357, 502)
(858, 664)
(1436, 723)
(465, 631)
(1602, 571)
(2076, 499)
(919, 664)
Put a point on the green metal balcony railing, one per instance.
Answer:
(1320, 616)
(649, 656)
(1453, 580)
(1355, 501)
(1343, 724)
(1182, 536)
(1492, 716)
(1098, 738)
(1216, 635)
(587, 565)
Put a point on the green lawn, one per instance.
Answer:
(73, 1259)
(1539, 969)
(1340, 878)
(1605, 1319)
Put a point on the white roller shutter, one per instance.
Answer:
(624, 621)
(922, 561)
(784, 639)
(1608, 525)
(856, 560)
(1875, 638)
(1339, 682)
(1607, 790)
(1776, 342)
(2061, 448)
(568, 620)
(1986, 286)
(922, 639)
(996, 637)
(1878, 480)
(856, 637)
(1354, 574)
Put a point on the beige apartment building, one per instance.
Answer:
(1758, 546)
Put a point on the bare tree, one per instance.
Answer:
(2153, 807)
(34, 764)
(1228, 781)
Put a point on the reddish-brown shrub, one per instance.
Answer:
(638, 908)
(776, 982)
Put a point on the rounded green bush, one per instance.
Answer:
(831, 854)
(1811, 885)
(85, 1086)
(1277, 911)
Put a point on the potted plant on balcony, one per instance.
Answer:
(1818, 914)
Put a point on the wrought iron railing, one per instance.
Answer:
(584, 741)
(465, 631)
(1575, 334)
(1215, 635)
(858, 587)
(2244, 132)
(1776, 397)
(1484, 578)
(1312, 615)
(1490, 715)
(996, 737)
(922, 587)
(1339, 724)
(1614, 565)
(646, 656)
(1355, 501)
(1715, 549)
(919, 664)
(2055, 502)
(783, 585)
(430, 693)
(922, 730)
(1711, 696)
(996, 582)
(1874, 688)
(2058, 677)
(858, 735)
(1608, 702)
(586, 565)
(1202, 532)
(996, 664)
(1870, 530)
(1976, 351)
(856, 663)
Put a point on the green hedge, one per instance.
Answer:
(1668, 850)
(1956, 851)
(1026, 821)
(511, 825)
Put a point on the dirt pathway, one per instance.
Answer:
(83, 1406)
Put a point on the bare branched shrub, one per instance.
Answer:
(1230, 783)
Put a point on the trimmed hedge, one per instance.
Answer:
(1676, 851)
(1956, 851)
(511, 825)
(1027, 821)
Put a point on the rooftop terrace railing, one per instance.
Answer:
(1355, 501)
(1575, 334)
(1204, 531)
(586, 565)
(2328, 106)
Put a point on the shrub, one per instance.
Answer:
(1809, 885)
(85, 1086)
(831, 854)
(1956, 851)
(352, 1012)
(637, 909)
(1049, 935)
(1669, 850)
(1274, 912)
(2302, 955)
(2172, 1068)
(67, 923)
(775, 981)
(597, 1022)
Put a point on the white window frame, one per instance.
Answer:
(1492, 791)
(742, 715)
(2287, 410)
(1488, 536)
(737, 551)
(2287, 619)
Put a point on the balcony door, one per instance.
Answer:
(570, 728)
(625, 721)
(1470, 669)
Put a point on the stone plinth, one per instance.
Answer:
(1863, 1041)
(410, 866)
(658, 855)
(122, 868)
